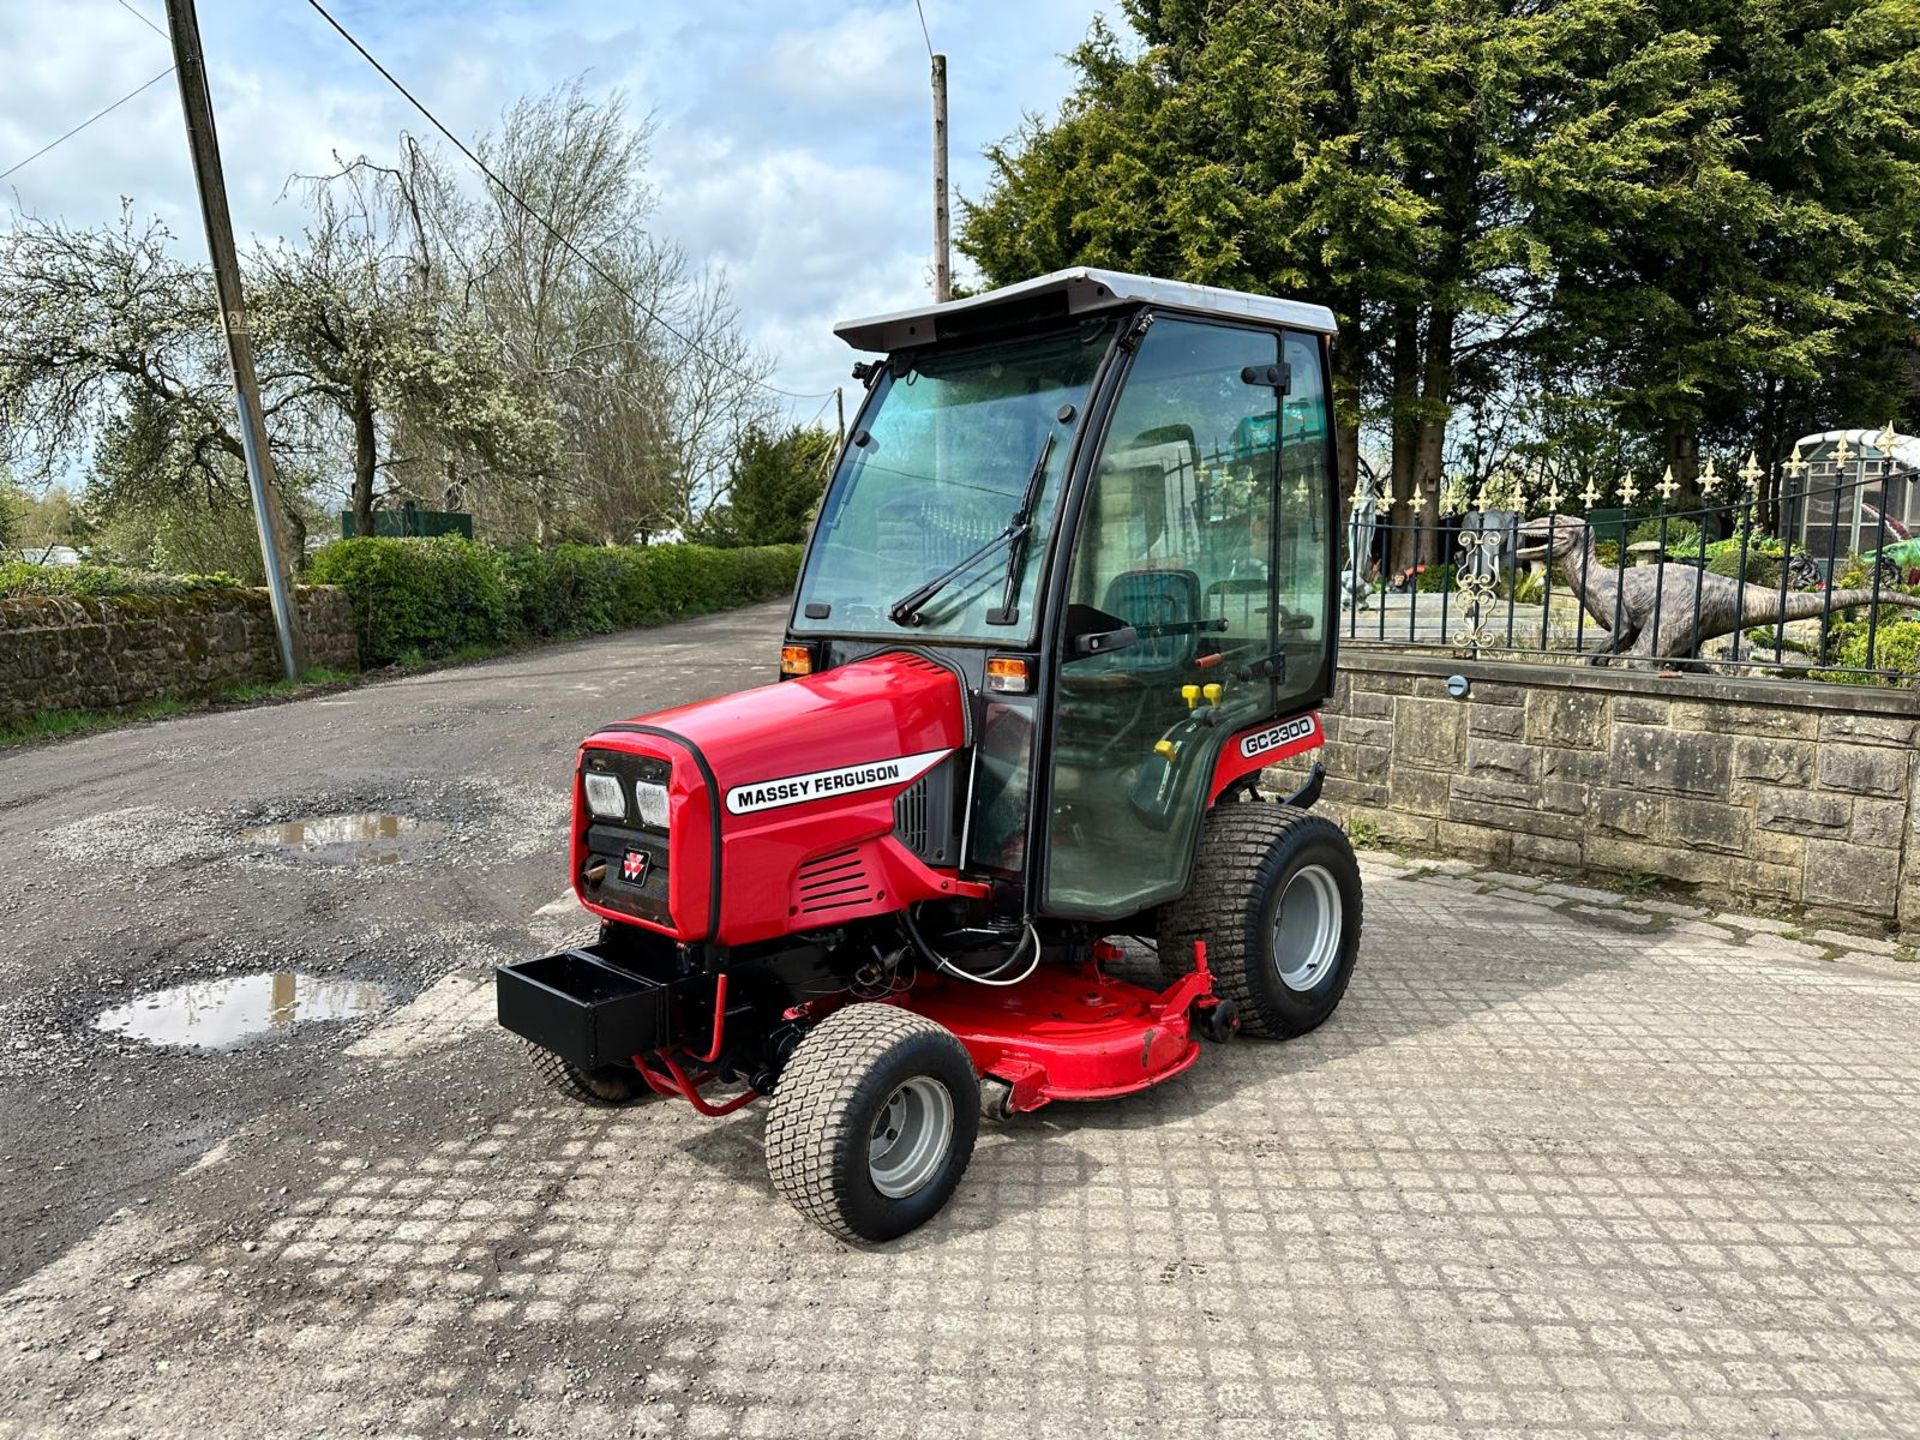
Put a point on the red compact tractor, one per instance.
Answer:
(1070, 589)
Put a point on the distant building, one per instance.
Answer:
(49, 555)
(1833, 513)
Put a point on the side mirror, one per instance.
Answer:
(1092, 631)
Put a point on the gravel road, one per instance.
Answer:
(131, 862)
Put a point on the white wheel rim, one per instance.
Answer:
(1306, 928)
(910, 1137)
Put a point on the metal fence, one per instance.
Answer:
(1829, 591)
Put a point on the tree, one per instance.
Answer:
(1773, 293)
(648, 377)
(105, 337)
(1485, 191)
(365, 348)
(13, 504)
(774, 487)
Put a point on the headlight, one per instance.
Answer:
(652, 800)
(605, 798)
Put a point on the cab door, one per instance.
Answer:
(1204, 532)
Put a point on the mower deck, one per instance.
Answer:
(1069, 1032)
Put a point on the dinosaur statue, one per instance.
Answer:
(1724, 605)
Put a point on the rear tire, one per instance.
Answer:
(1276, 897)
(608, 1088)
(873, 1122)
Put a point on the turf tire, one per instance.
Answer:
(1248, 854)
(609, 1087)
(822, 1118)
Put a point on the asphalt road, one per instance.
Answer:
(1562, 1165)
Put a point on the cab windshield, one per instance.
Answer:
(945, 457)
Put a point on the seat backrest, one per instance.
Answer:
(1155, 597)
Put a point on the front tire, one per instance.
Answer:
(873, 1122)
(1276, 897)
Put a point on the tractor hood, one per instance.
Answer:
(876, 724)
(773, 810)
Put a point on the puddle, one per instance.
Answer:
(210, 1014)
(365, 839)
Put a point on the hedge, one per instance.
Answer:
(18, 578)
(422, 599)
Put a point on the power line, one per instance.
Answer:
(98, 115)
(552, 229)
(144, 20)
(924, 31)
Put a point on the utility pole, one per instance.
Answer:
(840, 411)
(942, 262)
(196, 103)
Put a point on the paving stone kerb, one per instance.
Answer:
(1774, 791)
(109, 652)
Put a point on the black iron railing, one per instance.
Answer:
(1831, 592)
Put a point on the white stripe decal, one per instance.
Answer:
(821, 784)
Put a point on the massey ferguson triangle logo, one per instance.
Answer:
(634, 866)
(1275, 737)
(827, 784)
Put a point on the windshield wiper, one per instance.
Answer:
(906, 610)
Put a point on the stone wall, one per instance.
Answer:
(1747, 788)
(110, 652)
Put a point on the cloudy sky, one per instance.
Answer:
(793, 137)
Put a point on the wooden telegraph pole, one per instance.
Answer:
(196, 103)
(942, 262)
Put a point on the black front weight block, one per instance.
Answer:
(585, 1008)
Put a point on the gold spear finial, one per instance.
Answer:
(1629, 492)
(1710, 478)
(1751, 472)
(1886, 440)
(1842, 453)
(1668, 486)
(1797, 466)
(1590, 496)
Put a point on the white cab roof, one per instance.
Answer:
(1079, 291)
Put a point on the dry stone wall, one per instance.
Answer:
(1746, 788)
(111, 652)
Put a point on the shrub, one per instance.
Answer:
(1763, 560)
(424, 598)
(431, 598)
(1682, 537)
(20, 578)
(1896, 647)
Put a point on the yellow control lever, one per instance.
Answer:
(1190, 694)
(1166, 749)
(1212, 692)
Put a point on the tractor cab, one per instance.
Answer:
(1069, 591)
(1109, 503)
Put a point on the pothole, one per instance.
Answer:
(367, 838)
(214, 1014)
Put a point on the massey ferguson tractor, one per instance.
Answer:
(1070, 590)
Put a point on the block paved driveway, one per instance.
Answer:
(1560, 1166)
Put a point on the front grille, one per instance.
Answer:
(833, 882)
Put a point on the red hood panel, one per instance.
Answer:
(881, 708)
